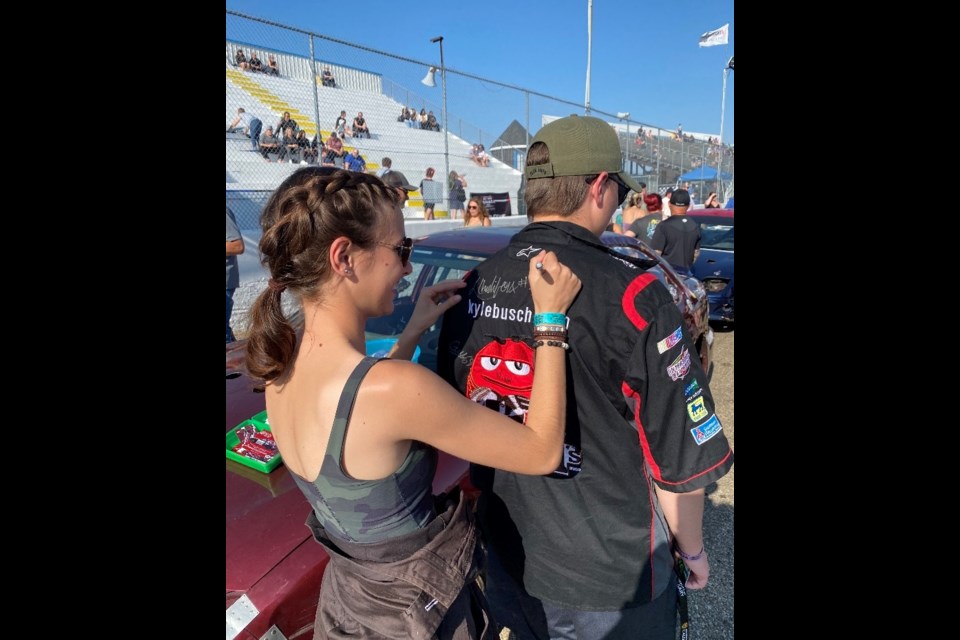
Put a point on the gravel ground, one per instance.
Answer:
(711, 609)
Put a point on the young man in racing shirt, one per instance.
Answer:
(589, 550)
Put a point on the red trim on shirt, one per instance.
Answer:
(647, 455)
(629, 296)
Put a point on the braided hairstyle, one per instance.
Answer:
(309, 210)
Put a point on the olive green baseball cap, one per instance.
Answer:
(579, 146)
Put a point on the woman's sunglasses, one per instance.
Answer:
(403, 249)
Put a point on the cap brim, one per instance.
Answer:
(630, 182)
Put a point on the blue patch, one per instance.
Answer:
(690, 388)
(707, 430)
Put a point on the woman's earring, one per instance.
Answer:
(348, 271)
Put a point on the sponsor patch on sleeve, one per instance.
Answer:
(691, 388)
(680, 367)
(707, 430)
(670, 341)
(696, 410)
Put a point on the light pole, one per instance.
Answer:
(723, 104)
(625, 115)
(446, 127)
(586, 97)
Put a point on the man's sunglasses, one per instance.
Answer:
(403, 249)
(622, 189)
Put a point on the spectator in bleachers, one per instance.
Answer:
(432, 123)
(241, 60)
(327, 78)
(255, 64)
(427, 206)
(269, 143)
(422, 119)
(251, 123)
(286, 121)
(360, 126)
(385, 166)
(476, 215)
(308, 149)
(291, 146)
(482, 157)
(355, 162)
(272, 68)
(412, 118)
(340, 127)
(334, 148)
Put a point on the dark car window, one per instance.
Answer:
(716, 236)
(429, 267)
(715, 232)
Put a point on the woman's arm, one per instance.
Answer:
(451, 422)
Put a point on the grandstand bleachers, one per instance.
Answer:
(412, 150)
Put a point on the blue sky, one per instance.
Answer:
(645, 59)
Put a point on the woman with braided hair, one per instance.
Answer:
(359, 435)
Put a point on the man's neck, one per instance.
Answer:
(578, 218)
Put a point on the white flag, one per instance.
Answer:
(715, 37)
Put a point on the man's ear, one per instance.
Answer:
(598, 188)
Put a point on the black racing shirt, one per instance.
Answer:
(590, 535)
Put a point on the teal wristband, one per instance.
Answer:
(550, 318)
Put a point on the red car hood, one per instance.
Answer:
(265, 512)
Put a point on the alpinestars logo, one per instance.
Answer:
(529, 252)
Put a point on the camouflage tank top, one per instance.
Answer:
(370, 510)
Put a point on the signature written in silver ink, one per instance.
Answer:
(490, 290)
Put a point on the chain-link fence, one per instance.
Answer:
(279, 74)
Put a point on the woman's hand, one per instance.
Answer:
(433, 303)
(553, 286)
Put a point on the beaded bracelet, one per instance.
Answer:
(549, 318)
(552, 343)
(685, 556)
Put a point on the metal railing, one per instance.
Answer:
(381, 83)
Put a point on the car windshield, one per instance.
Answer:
(716, 235)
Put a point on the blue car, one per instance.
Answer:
(714, 265)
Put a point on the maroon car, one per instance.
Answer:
(274, 567)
